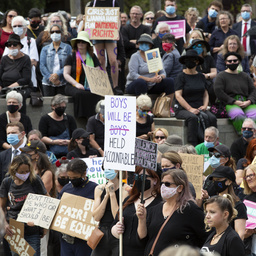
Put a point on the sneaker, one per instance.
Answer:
(172, 112)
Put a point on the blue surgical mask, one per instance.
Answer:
(198, 49)
(161, 35)
(214, 162)
(247, 134)
(18, 31)
(212, 13)
(142, 113)
(13, 139)
(110, 174)
(246, 15)
(170, 9)
(144, 47)
(209, 144)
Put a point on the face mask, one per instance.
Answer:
(12, 108)
(247, 134)
(167, 46)
(144, 47)
(55, 37)
(214, 162)
(170, 9)
(220, 186)
(169, 168)
(77, 182)
(23, 177)
(190, 64)
(13, 139)
(34, 25)
(191, 40)
(148, 24)
(199, 50)
(142, 113)
(63, 182)
(138, 184)
(13, 52)
(209, 144)
(18, 31)
(246, 15)
(85, 142)
(212, 13)
(60, 110)
(167, 193)
(161, 35)
(233, 66)
(110, 174)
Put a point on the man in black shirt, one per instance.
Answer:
(34, 27)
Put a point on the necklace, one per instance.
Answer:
(147, 198)
(215, 236)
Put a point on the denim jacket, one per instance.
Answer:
(47, 60)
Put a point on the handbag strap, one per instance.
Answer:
(160, 231)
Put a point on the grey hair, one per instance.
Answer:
(99, 103)
(188, 149)
(14, 95)
(137, 7)
(251, 121)
(20, 18)
(63, 21)
(58, 99)
(144, 101)
(161, 25)
(247, 5)
(213, 129)
(57, 25)
(61, 169)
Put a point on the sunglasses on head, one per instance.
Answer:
(167, 184)
(140, 176)
(12, 44)
(247, 128)
(234, 60)
(160, 137)
(217, 154)
(56, 31)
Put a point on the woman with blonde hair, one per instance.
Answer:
(191, 16)
(160, 135)
(148, 19)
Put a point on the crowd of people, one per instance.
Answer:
(207, 74)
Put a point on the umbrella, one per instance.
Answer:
(251, 32)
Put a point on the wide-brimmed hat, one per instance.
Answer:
(145, 38)
(80, 133)
(199, 41)
(191, 54)
(222, 149)
(172, 143)
(82, 35)
(233, 54)
(223, 172)
(13, 38)
(34, 145)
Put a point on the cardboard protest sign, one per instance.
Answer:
(120, 132)
(194, 167)
(98, 81)
(17, 242)
(154, 60)
(74, 216)
(102, 22)
(146, 154)
(94, 170)
(38, 209)
(251, 214)
(177, 28)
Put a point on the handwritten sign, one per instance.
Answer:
(74, 216)
(98, 81)
(194, 167)
(102, 23)
(120, 133)
(17, 242)
(38, 209)
(94, 170)
(251, 213)
(154, 60)
(177, 27)
(146, 154)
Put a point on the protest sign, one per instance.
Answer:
(74, 216)
(154, 60)
(146, 154)
(98, 81)
(194, 167)
(120, 132)
(17, 242)
(94, 171)
(251, 214)
(102, 23)
(177, 28)
(38, 209)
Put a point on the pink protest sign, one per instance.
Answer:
(251, 213)
(177, 28)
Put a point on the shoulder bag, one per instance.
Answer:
(162, 106)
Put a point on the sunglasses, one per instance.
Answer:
(230, 61)
(247, 128)
(217, 155)
(12, 44)
(19, 26)
(198, 45)
(11, 16)
(149, 18)
(137, 176)
(167, 184)
(55, 21)
(56, 31)
(35, 22)
(80, 42)
(160, 137)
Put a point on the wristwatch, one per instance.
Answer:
(208, 76)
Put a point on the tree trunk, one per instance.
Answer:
(155, 5)
(75, 7)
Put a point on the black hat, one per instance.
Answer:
(80, 133)
(199, 41)
(222, 149)
(233, 54)
(145, 38)
(34, 145)
(13, 38)
(191, 54)
(223, 172)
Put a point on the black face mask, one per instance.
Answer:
(77, 182)
(85, 142)
(12, 108)
(63, 182)
(34, 25)
(220, 186)
(190, 64)
(138, 184)
(60, 110)
(233, 66)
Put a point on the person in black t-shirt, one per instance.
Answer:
(34, 27)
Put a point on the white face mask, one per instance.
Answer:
(18, 31)
(55, 37)
(167, 192)
(13, 52)
(148, 24)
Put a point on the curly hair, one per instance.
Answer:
(240, 49)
